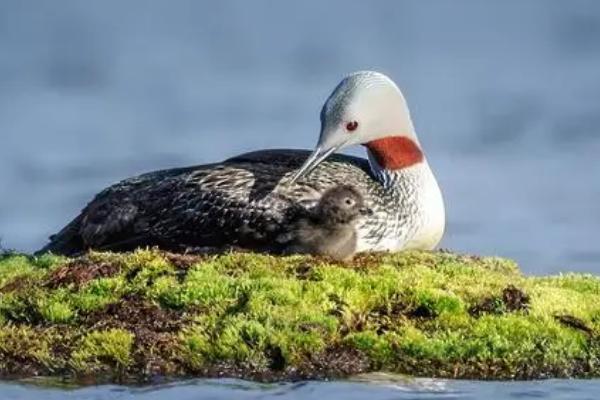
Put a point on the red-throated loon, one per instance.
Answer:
(245, 200)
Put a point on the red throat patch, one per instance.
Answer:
(395, 152)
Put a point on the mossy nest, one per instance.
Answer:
(145, 314)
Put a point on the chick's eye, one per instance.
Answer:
(351, 126)
(349, 202)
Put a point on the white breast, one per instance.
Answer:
(432, 216)
(415, 221)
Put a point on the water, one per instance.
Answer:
(396, 389)
(505, 97)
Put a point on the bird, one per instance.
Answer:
(245, 200)
(328, 229)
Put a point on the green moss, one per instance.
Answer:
(98, 349)
(195, 347)
(23, 345)
(98, 293)
(55, 308)
(423, 313)
(203, 287)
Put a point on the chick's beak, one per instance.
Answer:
(365, 211)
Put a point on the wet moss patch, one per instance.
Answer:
(135, 316)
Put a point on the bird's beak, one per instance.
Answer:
(324, 149)
(317, 156)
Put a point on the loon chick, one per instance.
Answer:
(329, 228)
(242, 201)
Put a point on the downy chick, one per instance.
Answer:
(329, 228)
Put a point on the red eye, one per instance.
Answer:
(351, 126)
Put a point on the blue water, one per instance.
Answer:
(505, 97)
(375, 389)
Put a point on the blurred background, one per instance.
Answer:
(505, 97)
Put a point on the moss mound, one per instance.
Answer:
(139, 315)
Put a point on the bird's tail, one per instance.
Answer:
(67, 242)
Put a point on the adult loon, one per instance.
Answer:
(245, 200)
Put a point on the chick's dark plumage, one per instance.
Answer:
(329, 228)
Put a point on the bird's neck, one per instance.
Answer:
(395, 152)
(390, 157)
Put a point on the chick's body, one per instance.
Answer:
(329, 228)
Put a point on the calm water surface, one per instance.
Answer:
(505, 97)
(378, 389)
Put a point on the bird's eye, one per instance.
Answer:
(351, 126)
(349, 201)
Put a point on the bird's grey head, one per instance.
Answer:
(364, 107)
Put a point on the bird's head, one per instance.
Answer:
(366, 108)
(341, 204)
